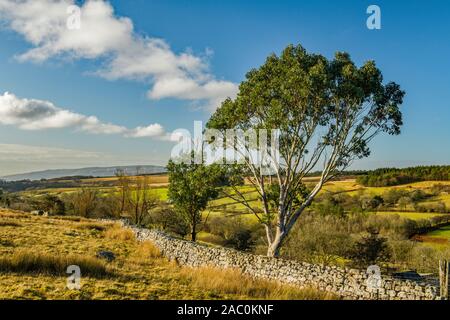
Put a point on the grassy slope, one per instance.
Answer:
(137, 272)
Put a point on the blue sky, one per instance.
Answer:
(222, 40)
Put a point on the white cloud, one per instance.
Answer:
(33, 114)
(126, 54)
(153, 130)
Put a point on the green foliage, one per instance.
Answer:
(392, 176)
(53, 205)
(392, 196)
(169, 220)
(317, 240)
(329, 206)
(191, 187)
(371, 249)
(236, 232)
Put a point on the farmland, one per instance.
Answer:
(226, 206)
(409, 214)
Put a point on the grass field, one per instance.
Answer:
(439, 239)
(410, 215)
(443, 232)
(35, 250)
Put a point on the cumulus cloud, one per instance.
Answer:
(33, 114)
(126, 54)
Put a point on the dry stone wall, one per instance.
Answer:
(344, 282)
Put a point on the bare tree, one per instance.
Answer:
(124, 189)
(84, 202)
(141, 199)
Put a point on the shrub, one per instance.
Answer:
(370, 249)
(425, 259)
(392, 196)
(167, 219)
(318, 240)
(330, 207)
(402, 252)
(235, 231)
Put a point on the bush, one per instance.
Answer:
(370, 249)
(167, 219)
(402, 253)
(235, 231)
(426, 259)
(392, 196)
(107, 207)
(318, 240)
(329, 206)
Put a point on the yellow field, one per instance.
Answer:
(161, 179)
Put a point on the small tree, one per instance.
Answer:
(5, 199)
(124, 189)
(191, 187)
(404, 202)
(84, 202)
(53, 205)
(371, 249)
(141, 200)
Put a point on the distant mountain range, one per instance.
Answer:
(85, 172)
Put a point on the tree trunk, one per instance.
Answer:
(194, 233)
(273, 250)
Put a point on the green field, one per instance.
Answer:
(443, 232)
(410, 215)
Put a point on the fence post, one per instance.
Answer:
(443, 278)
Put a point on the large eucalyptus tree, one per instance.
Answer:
(327, 112)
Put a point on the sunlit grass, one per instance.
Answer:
(233, 282)
(410, 215)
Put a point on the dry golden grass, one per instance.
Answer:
(153, 179)
(92, 226)
(27, 261)
(147, 250)
(230, 281)
(118, 233)
(71, 218)
(9, 223)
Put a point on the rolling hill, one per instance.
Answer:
(85, 172)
